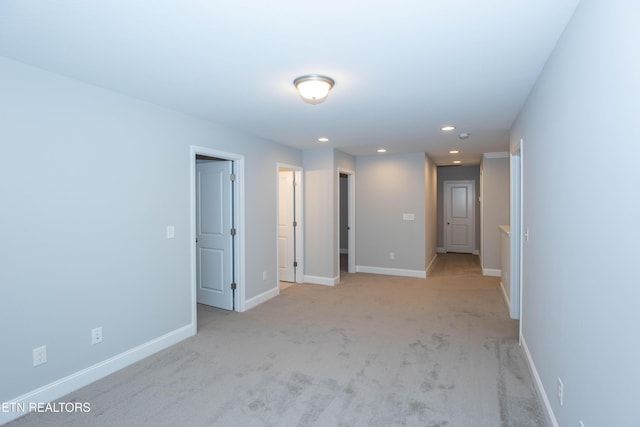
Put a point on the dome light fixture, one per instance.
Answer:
(313, 88)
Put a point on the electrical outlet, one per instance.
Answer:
(264, 275)
(560, 392)
(392, 255)
(39, 355)
(96, 335)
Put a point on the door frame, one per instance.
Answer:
(238, 220)
(298, 207)
(516, 250)
(351, 213)
(446, 198)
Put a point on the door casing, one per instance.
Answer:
(238, 220)
(299, 218)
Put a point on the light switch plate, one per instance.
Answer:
(408, 217)
(171, 231)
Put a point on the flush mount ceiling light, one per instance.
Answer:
(382, 150)
(454, 151)
(447, 127)
(456, 162)
(323, 139)
(464, 135)
(313, 88)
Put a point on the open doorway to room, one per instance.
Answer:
(515, 276)
(217, 231)
(290, 236)
(346, 221)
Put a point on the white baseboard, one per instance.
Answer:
(506, 298)
(441, 250)
(493, 272)
(538, 383)
(392, 271)
(319, 280)
(259, 299)
(77, 380)
(433, 260)
(476, 252)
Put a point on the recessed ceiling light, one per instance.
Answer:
(456, 162)
(464, 135)
(323, 139)
(382, 150)
(454, 151)
(447, 127)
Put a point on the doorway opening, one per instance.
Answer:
(217, 230)
(346, 221)
(516, 230)
(290, 228)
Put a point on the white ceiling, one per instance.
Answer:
(402, 68)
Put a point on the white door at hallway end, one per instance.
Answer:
(459, 227)
(214, 237)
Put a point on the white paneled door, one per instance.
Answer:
(286, 229)
(459, 216)
(214, 236)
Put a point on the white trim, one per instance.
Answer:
(496, 155)
(476, 252)
(441, 251)
(538, 383)
(506, 297)
(392, 271)
(79, 379)
(493, 272)
(263, 297)
(318, 280)
(239, 220)
(433, 260)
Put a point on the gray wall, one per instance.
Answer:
(580, 300)
(495, 208)
(456, 173)
(431, 207)
(386, 187)
(89, 179)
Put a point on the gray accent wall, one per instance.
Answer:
(494, 208)
(89, 181)
(456, 173)
(386, 187)
(581, 291)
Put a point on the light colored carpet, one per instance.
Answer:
(373, 351)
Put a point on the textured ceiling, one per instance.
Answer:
(402, 68)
